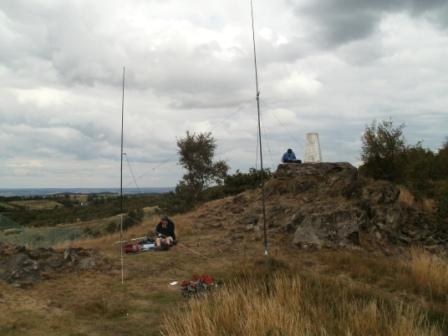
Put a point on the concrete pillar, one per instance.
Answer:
(312, 148)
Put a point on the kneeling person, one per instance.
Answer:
(165, 232)
(290, 157)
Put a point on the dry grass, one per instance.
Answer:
(298, 306)
(329, 303)
(420, 272)
(337, 292)
(429, 272)
(406, 197)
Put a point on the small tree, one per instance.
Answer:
(383, 148)
(196, 153)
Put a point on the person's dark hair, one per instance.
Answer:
(289, 150)
(164, 217)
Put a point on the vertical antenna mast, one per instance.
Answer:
(121, 182)
(259, 131)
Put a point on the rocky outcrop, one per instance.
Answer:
(22, 267)
(335, 227)
(331, 179)
(323, 205)
(329, 205)
(335, 207)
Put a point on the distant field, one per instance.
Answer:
(37, 204)
(72, 208)
(79, 197)
(6, 205)
(151, 211)
(48, 236)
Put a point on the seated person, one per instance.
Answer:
(165, 232)
(290, 157)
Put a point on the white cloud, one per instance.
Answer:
(41, 97)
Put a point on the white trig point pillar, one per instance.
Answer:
(312, 148)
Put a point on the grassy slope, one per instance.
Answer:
(90, 303)
(47, 235)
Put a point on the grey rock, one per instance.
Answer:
(332, 228)
(87, 263)
(22, 267)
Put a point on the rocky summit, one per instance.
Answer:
(22, 267)
(329, 205)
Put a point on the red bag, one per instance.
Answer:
(206, 279)
(132, 248)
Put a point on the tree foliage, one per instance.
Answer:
(196, 154)
(383, 146)
(386, 155)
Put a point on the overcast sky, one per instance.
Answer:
(326, 66)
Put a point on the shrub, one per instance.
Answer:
(383, 146)
(386, 155)
(132, 218)
(111, 227)
(181, 200)
(239, 182)
(441, 197)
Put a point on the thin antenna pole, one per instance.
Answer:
(121, 181)
(263, 200)
(132, 173)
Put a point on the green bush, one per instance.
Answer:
(91, 232)
(111, 227)
(441, 197)
(382, 152)
(176, 202)
(180, 201)
(132, 218)
(239, 182)
(386, 156)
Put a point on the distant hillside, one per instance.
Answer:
(10, 192)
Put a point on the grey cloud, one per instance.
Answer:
(337, 22)
(67, 39)
(82, 55)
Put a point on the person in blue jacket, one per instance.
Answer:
(290, 157)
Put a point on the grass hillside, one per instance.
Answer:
(293, 292)
(347, 256)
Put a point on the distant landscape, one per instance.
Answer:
(10, 192)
